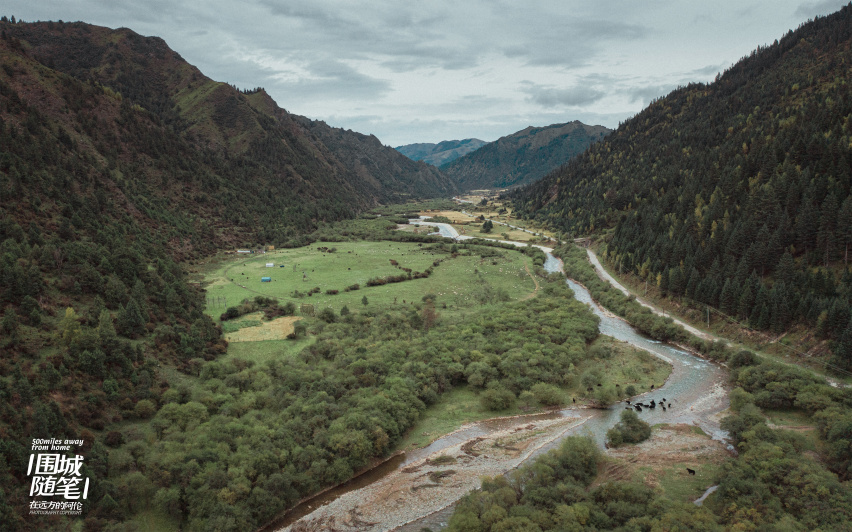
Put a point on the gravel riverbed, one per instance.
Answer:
(435, 481)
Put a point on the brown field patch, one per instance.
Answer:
(277, 329)
(661, 462)
(454, 216)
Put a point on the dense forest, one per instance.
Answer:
(733, 194)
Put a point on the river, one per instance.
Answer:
(695, 389)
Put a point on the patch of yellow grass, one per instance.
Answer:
(277, 329)
(454, 216)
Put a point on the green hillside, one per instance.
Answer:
(733, 194)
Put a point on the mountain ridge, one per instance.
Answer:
(441, 153)
(524, 156)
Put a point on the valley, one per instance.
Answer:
(248, 319)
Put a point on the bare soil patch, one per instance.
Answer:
(662, 462)
(455, 216)
(276, 329)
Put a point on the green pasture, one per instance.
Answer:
(465, 281)
(265, 350)
(677, 485)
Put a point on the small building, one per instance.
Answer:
(243, 251)
(266, 279)
(270, 264)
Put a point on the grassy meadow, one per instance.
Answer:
(462, 281)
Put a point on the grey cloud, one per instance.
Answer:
(575, 96)
(330, 78)
(825, 7)
(708, 70)
(573, 42)
(646, 94)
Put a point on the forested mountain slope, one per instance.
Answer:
(523, 157)
(118, 161)
(736, 193)
(441, 153)
(278, 155)
(392, 174)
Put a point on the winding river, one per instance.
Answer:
(695, 389)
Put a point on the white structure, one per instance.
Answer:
(270, 264)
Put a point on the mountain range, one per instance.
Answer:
(523, 157)
(441, 153)
(124, 100)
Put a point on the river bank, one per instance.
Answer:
(437, 480)
(696, 391)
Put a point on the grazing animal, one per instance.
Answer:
(638, 408)
(653, 405)
(652, 386)
(573, 399)
(589, 389)
(664, 400)
(599, 385)
(628, 401)
(690, 471)
(664, 408)
(670, 405)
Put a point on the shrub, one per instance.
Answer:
(547, 394)
(497, 398)
(630, 429)
(742, 359)
(327, 315)
(145, 409)
(230, 314)
(114, 438)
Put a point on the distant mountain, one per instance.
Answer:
(442, 152)
(523, 157)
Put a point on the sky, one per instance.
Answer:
(433, 70)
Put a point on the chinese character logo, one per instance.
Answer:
(57, 475)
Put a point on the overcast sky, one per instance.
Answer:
(426, 71)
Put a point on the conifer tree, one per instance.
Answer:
(130, 321)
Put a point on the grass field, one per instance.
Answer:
(464, 281)
(254, 329)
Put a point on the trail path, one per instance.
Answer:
(604, 275)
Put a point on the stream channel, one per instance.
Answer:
(695, 389)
